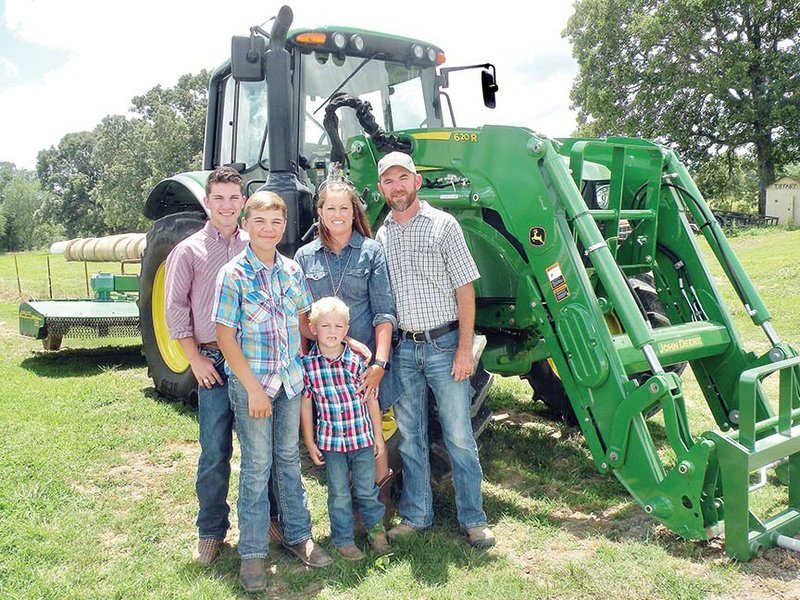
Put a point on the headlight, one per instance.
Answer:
(357, 42)
(339, 40)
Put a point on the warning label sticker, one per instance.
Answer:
(557, 282)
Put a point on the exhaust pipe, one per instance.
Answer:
(283, 151)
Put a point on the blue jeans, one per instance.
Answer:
(215, 419)
(269, 447)
(419, 366)
(357, 466)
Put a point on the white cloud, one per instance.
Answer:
(8, 69)
(113, 54)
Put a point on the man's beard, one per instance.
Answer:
(401, 204)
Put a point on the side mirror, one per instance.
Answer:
(489, 88)
(247, 58)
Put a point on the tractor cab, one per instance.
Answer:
(267, 105)
(396, 76)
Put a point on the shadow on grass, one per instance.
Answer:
(179, 406)
(430, 556)
(84, 362)
(553, 482)
(547, 460)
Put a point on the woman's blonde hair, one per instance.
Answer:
(360, 222)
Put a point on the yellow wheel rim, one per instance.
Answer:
(614, 326)
(388, 424)
(171, 351)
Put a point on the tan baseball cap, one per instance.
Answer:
(396, 159)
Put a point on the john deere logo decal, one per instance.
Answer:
(536, 236)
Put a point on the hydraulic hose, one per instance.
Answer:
(384, 142)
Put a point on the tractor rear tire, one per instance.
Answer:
(166, 363)
(547, 386)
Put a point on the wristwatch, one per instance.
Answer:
(382, 364)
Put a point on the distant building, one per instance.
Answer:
(783, 201)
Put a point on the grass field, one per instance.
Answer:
(97, 492)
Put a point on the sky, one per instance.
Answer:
(66, 64)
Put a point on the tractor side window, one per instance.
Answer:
(243, 131)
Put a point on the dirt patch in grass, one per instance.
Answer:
(141, 474)
(114, 543)
(145, 474)
(620, 522)
(773, 575)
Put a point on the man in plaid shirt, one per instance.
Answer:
(348, 437)
(432, 274)
(260, 306)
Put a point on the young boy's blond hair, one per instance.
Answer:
(264, 201)
(329, 305)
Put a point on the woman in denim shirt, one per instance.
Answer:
(344, 261)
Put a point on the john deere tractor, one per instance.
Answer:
(592, 284)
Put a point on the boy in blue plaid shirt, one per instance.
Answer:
(348, 430)
(260, 310)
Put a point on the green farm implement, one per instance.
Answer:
(592, 285)
(111, 312)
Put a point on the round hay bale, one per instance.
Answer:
(90, 252)
(121, 246)
(69, 251)
(78, 249)
(105, 248)
(58, 247)
(139, 247)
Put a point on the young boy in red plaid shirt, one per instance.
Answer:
(348, 432)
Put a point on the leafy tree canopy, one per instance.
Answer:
(707, 76)
(97, 182)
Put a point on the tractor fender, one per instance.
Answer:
(179, 193)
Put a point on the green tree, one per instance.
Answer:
(165, 138)
(21, 198)
(68, 174)
(708, 76)
(121, 153)
(6, 173)
(728, 181)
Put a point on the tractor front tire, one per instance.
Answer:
(166, 362)
(546, 384)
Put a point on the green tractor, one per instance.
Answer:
(592, 284)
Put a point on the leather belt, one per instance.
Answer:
(429, 335)
(210, 345)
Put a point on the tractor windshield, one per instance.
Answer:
(401, 97)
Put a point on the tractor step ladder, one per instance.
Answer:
(755, 445)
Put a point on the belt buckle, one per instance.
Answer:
(414, 335)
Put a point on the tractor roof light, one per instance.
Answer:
(418, 51)
(339, 40)
(311, 38)
(432, 54)
(440, 58)
(357, 42)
